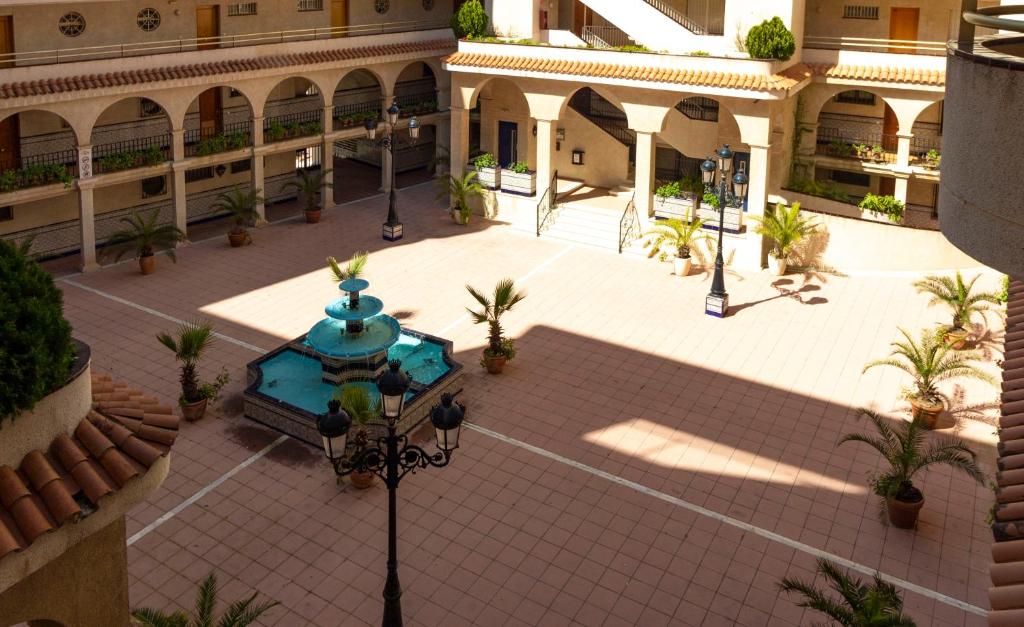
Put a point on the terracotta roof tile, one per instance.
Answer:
(881, 73)
(1007, 572)
(703, 78)
(108, 450)
(156, 75)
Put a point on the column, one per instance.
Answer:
(179, 193)
(328, 118)
(257, 131)
(327, 168)
(257, 184)
(546, 130)
(644, 177)
(459, 150)
(903, 150)
(87, 226)
(900, 189)
(757, 192)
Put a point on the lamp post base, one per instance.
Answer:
(717, 306)
(393, 232)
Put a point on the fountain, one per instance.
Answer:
(290, 386)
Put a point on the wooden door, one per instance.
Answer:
(10, 143)
(6, 40)
(207, 27)
(339, 17)
(211, 114)
(903, 26)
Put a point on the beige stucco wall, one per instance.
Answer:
(825, 19)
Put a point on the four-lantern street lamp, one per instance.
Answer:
(392, 228)
(717, 302)
(391, 458)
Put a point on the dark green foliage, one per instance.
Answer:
(876, 604)
(34, 175)
(239, 614)
(470, 21)
(35, 339)
(770, 40)
(142, 236)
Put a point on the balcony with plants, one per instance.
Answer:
(206, 142)
(39, 170)
(130, 154)
(292, 125)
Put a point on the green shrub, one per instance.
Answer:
(36, 352)
(485, 160)
(520, 167)
(822, 189)
(33, 175)
(887, 206)
(711, 198)
(700, 53)
(670, 190)
(770, 40)
(470, 21)
(1004, 290)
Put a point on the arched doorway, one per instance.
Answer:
(359, 96)
(131, 133)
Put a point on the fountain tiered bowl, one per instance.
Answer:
(290, 386)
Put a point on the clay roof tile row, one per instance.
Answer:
(63, 84)
(704, 78)
(1006, 596)
(887, 74)
(120, 439)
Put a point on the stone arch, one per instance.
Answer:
(134, 125)
(505, 102)
(218, 110)
(294, 106)
(415, 88)
(600, 90)
(927, 132)
(860, 120)
(58, 139)
(357, 95)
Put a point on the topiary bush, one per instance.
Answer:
(770, 40)
(36, 351)
(470, 21)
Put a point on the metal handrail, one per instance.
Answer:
(605, 36)
(116, 51)
(547, 205)
(985, 17)
(906, 46)
(684, 20)
(629, 224)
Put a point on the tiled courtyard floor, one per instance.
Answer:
(639, 464)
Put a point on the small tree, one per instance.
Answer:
(505, 298)
(308, 186)
(956, 295)
(470, 21)
(239, 614)
(192, 342)
(143, 236)
(877, 604)
(459, 192)
(770, 40)
(36, 350)
(785, 227)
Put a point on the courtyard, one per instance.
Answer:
(639, 463)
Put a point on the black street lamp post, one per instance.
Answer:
(717, 302)
(392, 458)
(392, 228)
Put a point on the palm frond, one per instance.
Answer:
(149, 617)
(206, 601)
(242, 613)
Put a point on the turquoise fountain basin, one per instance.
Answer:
(329, 338)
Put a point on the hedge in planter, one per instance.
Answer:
(888, 206)
(36, 353)
(770, 40)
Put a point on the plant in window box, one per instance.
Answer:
(933, 159)
(674, 200)
(863, 151)
(709, 212)
(487, 171)
(877, 153)
(192, 341)
(500, 349)
(275, 131)
(882, 208)
(517, 178)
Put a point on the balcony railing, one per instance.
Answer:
(131, 153)
(699, 108)
(867, 147)
(39, 169)
(926, 151)
(355, 113)
(605, 37)
(898, 46)
(290, 125)
(203, 142)
(119, 51)
(416, 97)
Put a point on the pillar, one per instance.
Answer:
(903, 150)
(757, 192)
(644, 185)
(87, 226)
(327, 168)
(178, 190)
(257, 131)
(257, 185)
(328, 118)
(546, 130)
(459, 147)
(900, 189)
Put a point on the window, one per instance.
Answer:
(311, 5)
(6, 213)
(851, 178)
(148, 108)
(860, 12)
(148, 20)
(856, 96)
(307, 157)
(308, 90)
(241, 166)
(241, 8)
(155, 186)
(71, 24)
(199, 174)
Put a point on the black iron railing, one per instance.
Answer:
(699, 108)
(39, 169)
(203, 142)
(290, 125)
(131, 153)
(417, 103)
(356, 113)
(863, 146)
(629, 224)
(548, 205)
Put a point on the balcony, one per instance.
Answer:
(886, 46)
(132, 153)
(205, 142)
(291, 125)
(39, 169)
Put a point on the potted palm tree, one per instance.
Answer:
(904, 447)
(785, 227)
(460, 192)
(308, 186)
(142, 236)
(680, 236)
(959, 297)
(355, 268)
(929, 361)
(500, 349)
(239, 614)
(241, 204)
(192, 341)
(875, 604)
(355, 400)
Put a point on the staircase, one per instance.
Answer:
(592, 217)
(699, 109)
(659, 26)
(605, 116)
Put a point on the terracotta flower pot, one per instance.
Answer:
(927, 411)
(495, 364)
(362, 480)
(903, 514)
(147, 264)
(312, 216)
(956, 339)
(238, 238)
(193, 411)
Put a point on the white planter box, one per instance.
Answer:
(677, 207)
(524, 184)
(877, 217)
(488, 177)
(733, 217)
